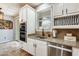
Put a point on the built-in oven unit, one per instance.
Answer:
(23, 31)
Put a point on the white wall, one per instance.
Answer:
(7, 17)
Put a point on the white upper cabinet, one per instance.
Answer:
(30, 21)
(66, 14)
(71, 8)
(22, 14)
(43, 17)
(64, 9)
(27, 15)
(58, 9)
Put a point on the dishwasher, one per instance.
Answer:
(55, 49)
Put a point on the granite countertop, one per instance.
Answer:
(56, 40)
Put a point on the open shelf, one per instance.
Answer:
(68, 22)
(66, 27)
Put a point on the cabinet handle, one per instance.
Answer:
(21, 20)
(66, 11)
(4, 37)
(62, 12)
(35, 45)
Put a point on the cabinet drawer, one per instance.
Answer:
(41, 42)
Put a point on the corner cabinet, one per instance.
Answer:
(27, 15)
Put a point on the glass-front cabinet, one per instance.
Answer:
(44, 18)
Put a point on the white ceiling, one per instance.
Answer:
(34, 5)
(12, 9)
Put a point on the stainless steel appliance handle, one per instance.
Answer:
(54, 47)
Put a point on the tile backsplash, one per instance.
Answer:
(62, 32)
(46, 34)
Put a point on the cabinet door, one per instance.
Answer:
(23, 14)
(20, 15)
(17, 29)
(31, 21)
(1, 36)
(71, 8)
(41, 48)
(75, 51)
(58, 9)
(6, 35)
(9, 34)
(30, 46)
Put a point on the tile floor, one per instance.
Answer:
(12, 49)
(15, 53)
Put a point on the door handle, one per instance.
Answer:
(62, 12)
(4, 37)
(66, 10)
(35, 45)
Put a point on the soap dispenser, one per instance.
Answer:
(54, 33)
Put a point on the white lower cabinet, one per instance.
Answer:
(29, 46)
(75, 51)
(6, 35)
(41, 48)
(35, 47)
